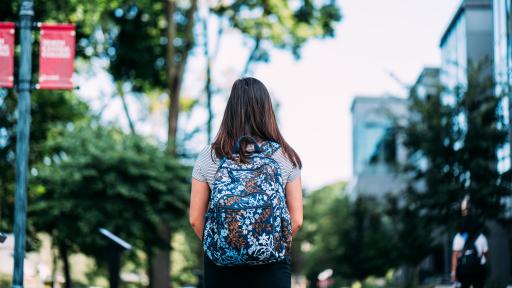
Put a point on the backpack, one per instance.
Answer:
(469, 262)
(247, 221)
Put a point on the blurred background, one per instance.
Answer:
(398, 109)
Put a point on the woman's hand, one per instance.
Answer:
(294, 201)
(199, 198)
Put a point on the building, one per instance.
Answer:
(503, 65)
(467, 39)
(502, 41)
(502, 10)
(375, 148)
(480, 30)
(428, 83)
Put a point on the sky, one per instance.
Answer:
(375, 38)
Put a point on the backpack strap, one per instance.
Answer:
(269, 148)
(470, 243)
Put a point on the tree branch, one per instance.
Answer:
(251, 56)
(120, 92)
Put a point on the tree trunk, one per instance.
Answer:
(208, 86)
(63, 251)
(176, 69)
(54, 267)
(160, 267)
(411, 277)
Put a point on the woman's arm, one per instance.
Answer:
(455, 256)
(199, 198)
(294, 202)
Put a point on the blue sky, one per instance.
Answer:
(375, 38)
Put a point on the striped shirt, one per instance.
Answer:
(207, 163)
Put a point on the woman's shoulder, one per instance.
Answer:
(458, 236)
(206, 149)
(207, 155)
(481, 237)
(281, 157)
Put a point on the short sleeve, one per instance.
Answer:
(294, 174)
(198, 172)
(482, 243)
(288, 170)
(458, 243)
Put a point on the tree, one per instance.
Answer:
(484, 119)
(413, 235)
(98, 177)
(370, 242)
(168, 52)
(447, 157)
(279, 24)
(49, 108)
(268, 24)
(325, 217)
(353, 237)
(430, 137)
(448, 160)
(147, 45)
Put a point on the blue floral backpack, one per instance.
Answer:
(247, 222)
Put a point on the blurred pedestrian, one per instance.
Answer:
(246, 199)
(469, 257)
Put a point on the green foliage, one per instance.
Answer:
(137, 37)
(99, 177)
(354, 238)
(411, 231)
(325, 217)
(430, 137)
(279, 23)
(453, 138)
(86, 15)
(186, 257)
(5, 280)
(49, 108)
(86, 178)
(370, 241)
(484, 119)
(448, 156)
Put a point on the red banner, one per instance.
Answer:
(56, 56)
(6, 54)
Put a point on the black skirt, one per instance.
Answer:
(273, 275)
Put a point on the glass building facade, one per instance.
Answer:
(503, 66)
(454, 57)
(502, 41)
(467, 39)
(367, 136)
(372, 119)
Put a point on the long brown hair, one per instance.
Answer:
(249, 112)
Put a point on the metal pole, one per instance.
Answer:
(114, 265)
(22, 139)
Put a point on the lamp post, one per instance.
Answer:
(117, 245)
(22, 139)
